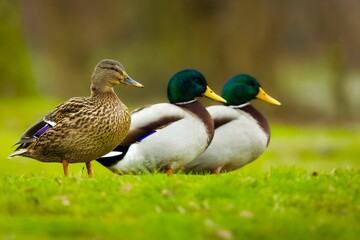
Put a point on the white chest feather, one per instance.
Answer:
(235, 143)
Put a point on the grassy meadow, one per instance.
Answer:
(306, 186)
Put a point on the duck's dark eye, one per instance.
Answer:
(199, 80)
(116, 70)
(253, 84)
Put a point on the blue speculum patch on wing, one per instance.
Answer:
(145, 136)
(42, 130)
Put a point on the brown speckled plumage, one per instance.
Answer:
(83, 128)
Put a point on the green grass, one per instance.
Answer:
(306, 186)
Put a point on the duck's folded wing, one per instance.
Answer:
(34, 132)
(147, 120)
(62, 111)
(74, 106)
(144, 122)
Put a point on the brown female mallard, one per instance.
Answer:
(83, 128)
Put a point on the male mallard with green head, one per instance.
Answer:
(166, 136)
(83, 128)
(241, 132)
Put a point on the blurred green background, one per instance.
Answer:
(304, 53)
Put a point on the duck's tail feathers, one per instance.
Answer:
(114, 156)
(18, 152)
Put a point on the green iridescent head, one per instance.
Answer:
(188, 84)
(242, 88)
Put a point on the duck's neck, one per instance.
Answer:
(239, 106)
(248, 108)
(184, 103)
(108, 98)
(103, 92)
(95, 90)
(197, 109)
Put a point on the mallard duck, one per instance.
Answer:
(165, 136)
(83, 128)
(241, 132)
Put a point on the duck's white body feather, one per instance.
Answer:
(179, 138)
(236, 142)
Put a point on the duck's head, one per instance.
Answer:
(108, 73)
(242, 88)
(188, 84)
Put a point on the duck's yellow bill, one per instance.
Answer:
(210, 94)
(262, 95)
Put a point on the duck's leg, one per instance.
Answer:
(168, 171)
(218, 170)
(89, 169)
(65, 164)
